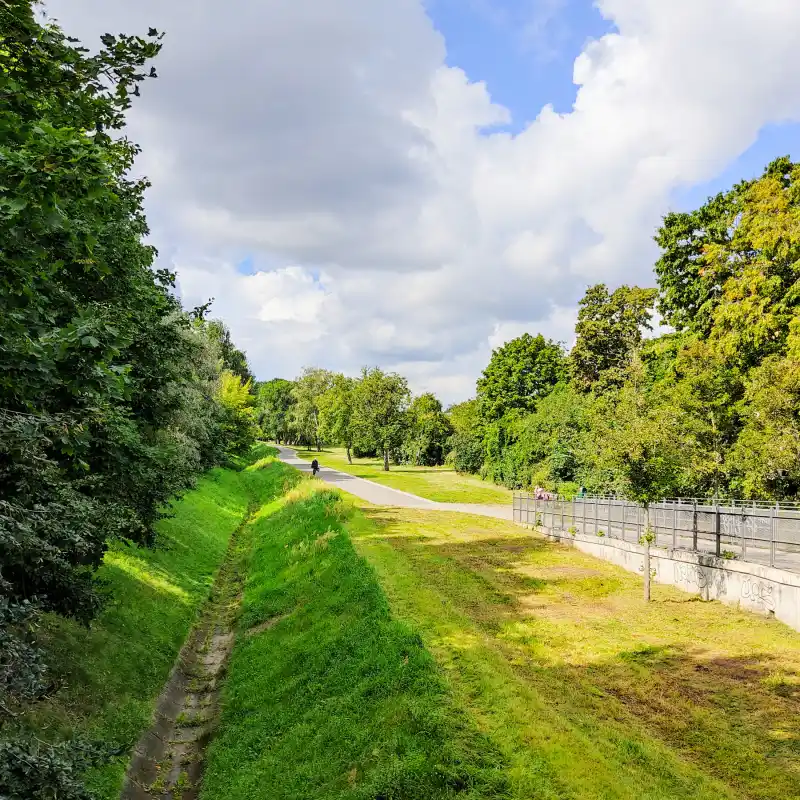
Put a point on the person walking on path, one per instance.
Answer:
(314, 467)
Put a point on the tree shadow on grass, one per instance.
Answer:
(718, 687)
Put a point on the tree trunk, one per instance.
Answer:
(319, 446)
(349, 457)
(385, 459)
(647, 556)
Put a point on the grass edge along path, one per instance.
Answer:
(108, 676)
(440, 484)
(327, 695)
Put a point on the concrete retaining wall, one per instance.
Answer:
(764, 590)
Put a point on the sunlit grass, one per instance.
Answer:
(327, 695)
(441, 484)
(109, 675)
(585, 689)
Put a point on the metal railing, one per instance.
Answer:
(758, 533)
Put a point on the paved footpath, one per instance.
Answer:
(381, 495)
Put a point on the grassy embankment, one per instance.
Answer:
(441, 484)
(586, 691)
(110, 674)
(328, 696)
(551, 678)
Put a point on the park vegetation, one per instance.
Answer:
(709, 408)
(113, 398)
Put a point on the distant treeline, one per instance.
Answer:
(712, 408)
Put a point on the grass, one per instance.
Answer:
(441, 484)
(585, 691)
(109, 675)
(328, 696)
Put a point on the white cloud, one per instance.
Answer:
(330, 139)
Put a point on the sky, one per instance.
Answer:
(410, 183)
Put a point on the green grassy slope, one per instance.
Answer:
(327, 695)
(587, 691)
(110, 675)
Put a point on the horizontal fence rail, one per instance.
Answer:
(759, 533)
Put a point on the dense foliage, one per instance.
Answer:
(712, 408)
(112, 398)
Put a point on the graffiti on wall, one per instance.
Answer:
(758, 593)
(703, 578)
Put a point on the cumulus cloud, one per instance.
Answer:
(390, 215)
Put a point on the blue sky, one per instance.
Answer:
(327, 235)
(529, 64)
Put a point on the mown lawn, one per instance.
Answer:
(327, 695)
(585, 691)
(441, 484)
(109, 675)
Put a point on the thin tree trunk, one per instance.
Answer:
(385, 459)
(349, 457)
(319, 446)
(647, 555)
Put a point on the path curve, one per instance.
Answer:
(381, 495)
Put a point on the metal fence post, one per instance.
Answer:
(674, 527)
(561, 503)
(624, 509)
(609, 517)
(773, 523)
(595, 516)
(717, 534)
(694, 526)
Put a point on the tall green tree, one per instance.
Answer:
(465, 446)
(688, 291)
(336, 413)
(379, 411)
(107, 401)
(233, 359)
(644, 442)
(758, 270)
(765, 458)
(239, 417)
(428, 431)
(274, 401)
(609, 328)
(518, 375)
(306, 392)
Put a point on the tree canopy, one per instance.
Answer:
(111, 395)
(519, 373)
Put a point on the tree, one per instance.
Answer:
(107, 406)
(465, 446)
(518, 375)
(748, 234)
(688, 293)
(643, 440)
(274, 401)
(336, 413)
(233, 359)
(765, 458)
(379, 410)
(758, 269)
(428, 431)
(306, 392)
(609, 327)
(237, 401)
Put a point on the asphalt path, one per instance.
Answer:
(380, 495)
